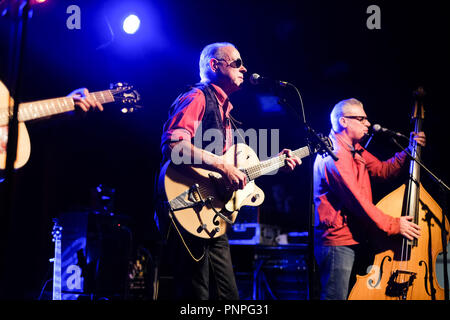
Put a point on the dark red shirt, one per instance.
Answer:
(342, 188)
(183, 124)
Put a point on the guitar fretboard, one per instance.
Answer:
(57, 271)
(45, 108)
(273, 164)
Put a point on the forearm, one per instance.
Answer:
(385, 169)
(347, 189)
(362, 207)
(185, 152)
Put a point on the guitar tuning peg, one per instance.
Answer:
(116, 85)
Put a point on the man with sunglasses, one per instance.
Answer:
(202, 268)
(343, 199)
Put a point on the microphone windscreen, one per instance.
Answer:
(254, 78)
(376, 127)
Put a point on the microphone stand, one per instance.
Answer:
(312, 138)
(439, 181)
(19, 12)
(445, 189)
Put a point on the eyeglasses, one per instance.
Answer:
(359, 118)
(234, 64)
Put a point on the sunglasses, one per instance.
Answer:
(234, 64)
(359, 118)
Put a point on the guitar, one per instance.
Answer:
(44, 108)
(56, 233)
(199, 198)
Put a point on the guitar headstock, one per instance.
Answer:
(126, 95)
(57, 231)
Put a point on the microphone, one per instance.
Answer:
(378, 128)
(256, 79)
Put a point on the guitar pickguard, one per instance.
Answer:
(237, 201)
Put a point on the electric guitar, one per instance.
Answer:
(200, 199)
(44, 108)
(56, 233)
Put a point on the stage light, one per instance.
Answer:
(131, 24)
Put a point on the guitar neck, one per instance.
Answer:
(45, 108)
(273, 164)
(57, 271)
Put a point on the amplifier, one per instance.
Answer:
(95, 251)
(253, 233)
(271, 272)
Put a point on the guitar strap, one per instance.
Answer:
(182, 239)
(233, 122)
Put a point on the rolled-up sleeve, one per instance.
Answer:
(184, 118)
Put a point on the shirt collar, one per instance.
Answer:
(222, 98)
(344, 142)
(220, 94)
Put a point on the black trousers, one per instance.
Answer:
(210, 278)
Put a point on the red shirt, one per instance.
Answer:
(183, 124)
(342, 190)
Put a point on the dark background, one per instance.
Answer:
(323, 47)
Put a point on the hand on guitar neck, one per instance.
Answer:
(291, 160)
(121, 93)
(84, 100)
(81, 97)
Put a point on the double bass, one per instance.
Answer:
(405, 269)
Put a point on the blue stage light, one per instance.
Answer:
(131, 24)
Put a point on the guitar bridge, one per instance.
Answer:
(190, 198)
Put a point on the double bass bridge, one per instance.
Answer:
(399, 283)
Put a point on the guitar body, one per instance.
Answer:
(202, 221)
(23, 146)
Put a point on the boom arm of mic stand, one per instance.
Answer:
(308, 128)
(439, 181)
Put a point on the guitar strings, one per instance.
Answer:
(406, 247)
(274, 163)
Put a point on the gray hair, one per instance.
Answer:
(339, 110)
(209, 52)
